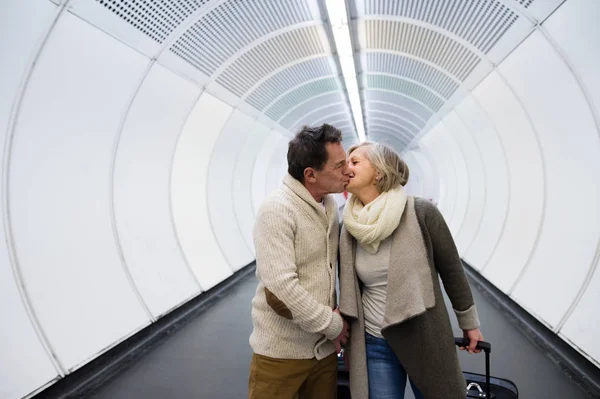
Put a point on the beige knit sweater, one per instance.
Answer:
(296, 241)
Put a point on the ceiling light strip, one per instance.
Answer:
(338, 18)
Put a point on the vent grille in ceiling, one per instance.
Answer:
(480, 22)
(526, 3)
(402, 101)
(405, 87)
(284, 80)
(376, 115)
(399, 134)
(412, 69)
(423, 43)
(155, 18)
(340, 119)
(301, 111)
(322, 113)
(399, 143)
(398, 129)
(269, 56)
(233, 25)
(301, 94)
(395, 110)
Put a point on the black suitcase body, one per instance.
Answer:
(486, 386)
(477, 384)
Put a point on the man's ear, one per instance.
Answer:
(309, 175)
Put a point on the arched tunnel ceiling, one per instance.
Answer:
(277, 60)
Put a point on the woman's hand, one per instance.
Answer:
(474, 336)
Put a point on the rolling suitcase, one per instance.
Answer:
(485, 386)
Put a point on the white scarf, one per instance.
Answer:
(375, 222)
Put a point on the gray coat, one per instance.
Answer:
(416, 322)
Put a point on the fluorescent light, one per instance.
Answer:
(338, 18)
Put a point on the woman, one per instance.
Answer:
(392, 250)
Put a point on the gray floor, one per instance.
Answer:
(209, 357)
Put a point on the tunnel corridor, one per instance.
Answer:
(141, 136)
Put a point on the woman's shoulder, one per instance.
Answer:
(425, 205)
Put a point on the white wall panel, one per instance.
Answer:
(453, 175)
(461, 189)
(141, 190)
(571, 147)
(574, 20)
(430, 176)
(525, 199)
(496, 183)
(242, 184)
(59, 190)
(220, 189)
(574, 27)
(23, 25)
(261, 167)
(277, 167)
(414, 186)
(582, 327)
(475, 189)
(189, 190)
(435, 147)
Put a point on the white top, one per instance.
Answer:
(372, 269)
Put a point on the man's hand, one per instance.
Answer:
(342, 339)
(474, 336)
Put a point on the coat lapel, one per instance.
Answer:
(410, 286)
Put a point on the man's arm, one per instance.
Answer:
(276, 265)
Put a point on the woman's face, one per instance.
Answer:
(362, 173)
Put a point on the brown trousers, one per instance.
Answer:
(289, 378)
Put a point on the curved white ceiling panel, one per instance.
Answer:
(496, 175)
(550, 93)
(220, 187)
(243, 180)
(189, 190)
(28, 365)
(143, 210)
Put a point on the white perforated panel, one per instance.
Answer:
(480, 22)
(423, 43)
(295, 116)
(412, 69)
(284, 80)
(271, 55)
(395, 118)
(394, 109)
(398, 99)
(155, 18)
(232, 26)
(323, 112)
(407, 88)
(300, 94)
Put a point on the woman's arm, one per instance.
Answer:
(450, 267)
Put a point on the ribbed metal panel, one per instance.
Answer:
(287, 78)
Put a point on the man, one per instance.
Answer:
(297, 326)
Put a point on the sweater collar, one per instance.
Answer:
(298, 188)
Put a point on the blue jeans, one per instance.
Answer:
(387, 377)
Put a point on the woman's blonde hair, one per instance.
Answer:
(386, 161)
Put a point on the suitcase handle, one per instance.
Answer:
(487, 348)
(481, 345)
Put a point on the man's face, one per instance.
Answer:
(333, 178)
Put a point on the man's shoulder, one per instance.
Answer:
(277, 201)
